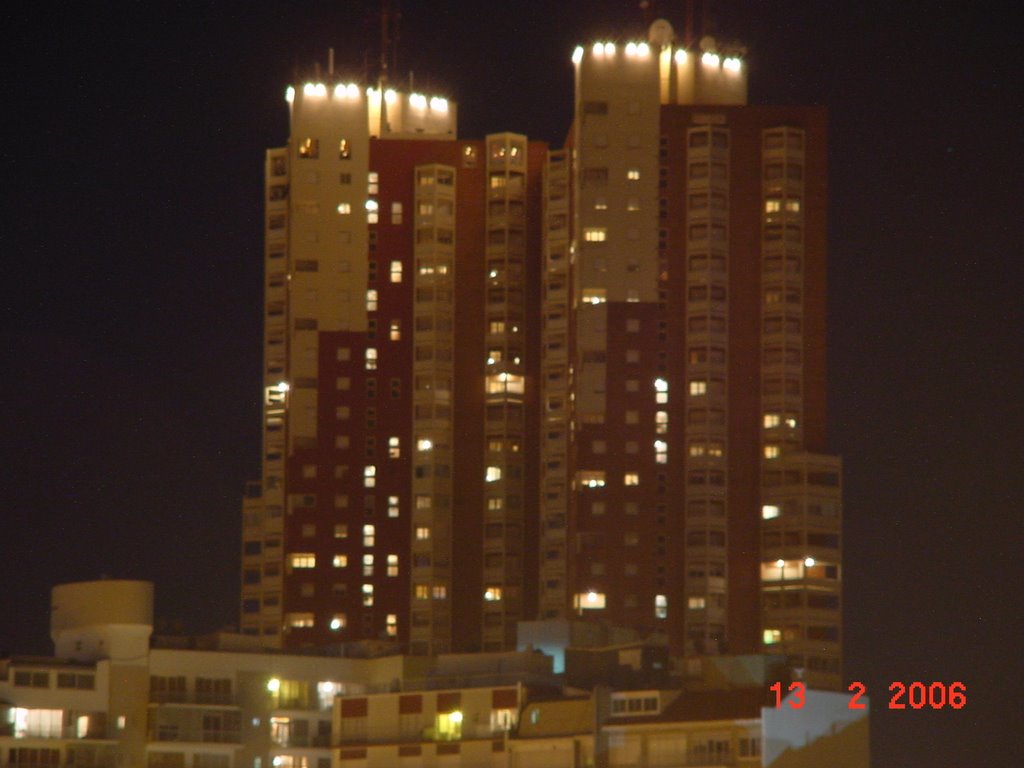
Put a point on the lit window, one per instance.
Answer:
(367, 594)
(793, 206)
(396, 271)
(772, 636)
(660, 607)
(769, 511)
(371, 358)
(715, 449)
(338, 622)
(595, 295)
(633, 174)
(424, 444)
(772, 420)
(772, 205)
(504, 382)
(422, 533)
(695, 603)
(423, 502)
(589, 601)
(396, 215)
(493, 474)
(392, 565)
(341, 531)
(371, 211)
(661, 452)
(421, 591)
(600, 204)
(590, 478)
(369, 476)
(790, 422)
(696, 449)
(395, 333)
(632, 204)
(368, 535)
(440, 592)
(496, 326)
(391, 625)
(299, 620)
(340, 561)
(372, 183)
(631, 478)
(595, 234)
(371, 300)
(367, 565)
(393, 507)
(661, 422)
(309, 148)
(771, 451)
(344, 208)
(495, 503)
(698, 387)
(394, 448)
(492, 594)
(303, 560)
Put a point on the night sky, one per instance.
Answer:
(131, 259)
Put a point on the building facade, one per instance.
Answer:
(509, 382)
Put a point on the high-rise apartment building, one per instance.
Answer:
(508, 382)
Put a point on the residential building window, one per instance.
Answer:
(396, 271)
(309, 148)
(394, 448)
(393, 507)
(367, 565)
(368, 535)
(367, 591)
(341, 531)
(371, 358)
(299, 620)
(631, 478)
(340, 561)
(392, 565)
(302, 560)
(371, 300)
(633, 174)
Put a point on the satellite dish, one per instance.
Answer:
(661, 33)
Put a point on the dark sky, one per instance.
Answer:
(131, 265)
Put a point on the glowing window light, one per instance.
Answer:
(438, 104)
(609, 49)
(418, 100)
(308, 89)
(809, 562)
(780, 563)
(710, 59)
(643, 49)
(371, 205)
(577, 54)
(455, 717)
(598, 49)
(339, 91)
(661, 385)
(352, 91)
(769, 511)
(424, 444)
(289, 94)
(732, 63)
(390, 96)
(631, 49)
(273, 685)
(680, 56)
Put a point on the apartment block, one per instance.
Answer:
(510, 382)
